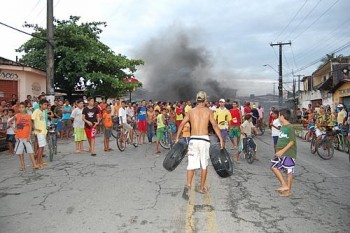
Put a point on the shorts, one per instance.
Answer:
(285, 164)
(59, 124)
(198, 152)
(160, 133)
(275, 139)
(90, 132)
(41, 138)
(319, 132)
(67, 124)
(223, 134)
(142, 126)
(235, 132)
(23, 146)
(10, 138)
(172, 127)
(126, 126)
(79, 134)
(108, 132)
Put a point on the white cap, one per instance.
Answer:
(340, 106)
(222, 100)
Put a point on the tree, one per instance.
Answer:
(330, 57)
(81, 59)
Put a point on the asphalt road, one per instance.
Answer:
(131, 192)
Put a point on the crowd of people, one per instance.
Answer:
(193, 121)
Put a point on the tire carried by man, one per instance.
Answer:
(221, 161)
(175, 155)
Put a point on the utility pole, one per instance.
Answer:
(50, 91)
(280, 81)
(299, 75)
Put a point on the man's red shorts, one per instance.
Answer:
(90, 132)
(142, 126)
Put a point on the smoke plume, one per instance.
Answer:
(176, 68)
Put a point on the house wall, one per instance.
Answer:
(341, 93)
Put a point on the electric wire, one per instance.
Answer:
(305, 17)
(307, 28)
(296, 14)
(19, 30)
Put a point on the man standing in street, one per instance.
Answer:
(198, 149)
(222, 117)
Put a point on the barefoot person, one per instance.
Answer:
(286, 154)
(91, 119)
(198, 149)
(23, 130)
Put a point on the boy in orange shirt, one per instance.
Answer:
(107, 123)
(23, 130)
(186, 132)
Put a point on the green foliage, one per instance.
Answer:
(80, 58)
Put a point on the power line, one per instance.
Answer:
(291, 20)
(318, 60)
(36, 5)
(16, 29)
(316, 19)
(305, 17)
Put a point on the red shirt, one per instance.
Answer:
(236, 117)
(271, 118)
(247, 110)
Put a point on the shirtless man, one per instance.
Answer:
(198, 149)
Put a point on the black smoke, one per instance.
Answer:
(177, 67)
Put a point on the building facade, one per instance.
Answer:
(21, 80)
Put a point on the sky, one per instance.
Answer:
(235, 35)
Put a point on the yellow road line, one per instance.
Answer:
(190, 224)
(211, 216)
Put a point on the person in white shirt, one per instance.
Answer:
(275, 128)
(123, 120)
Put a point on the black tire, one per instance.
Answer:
(336, 142)
(55, 144)
(325, 149)
(249, 156)
(51, 148)
(312, 143)
(135, 138)
(221, 161)
(175, 155)
(121, 144)
(115, 131)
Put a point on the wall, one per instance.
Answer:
(31, 81)
(342, 91)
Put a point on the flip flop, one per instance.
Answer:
(35, 168)
(185, 193)
(204, 191)
(288, 194)
(280, 190)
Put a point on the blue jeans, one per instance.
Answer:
(150, 131)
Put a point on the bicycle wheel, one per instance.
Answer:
(325, 149)
(51, 148)
(121, 143)
(165, 143)
(115, 131)
(312, 146)
(135, 138)
(337, 142)
(249, 156)
(55, 143)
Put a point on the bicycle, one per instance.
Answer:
(115, 127)
(249, 148)
(52, 130)
(340, 139)
(123, 137)
(324, 147)
(167, 142)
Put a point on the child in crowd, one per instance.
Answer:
(91, 119)
(285, 155)
(246, 131)
(186, 132)
(107, 123)
(160, 128)
(10, 131)
(78, 125)
(23, 135)
(40, 130)
(275, 128)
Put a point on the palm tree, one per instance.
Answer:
(330, 57)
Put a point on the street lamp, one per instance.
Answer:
(271, 68)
